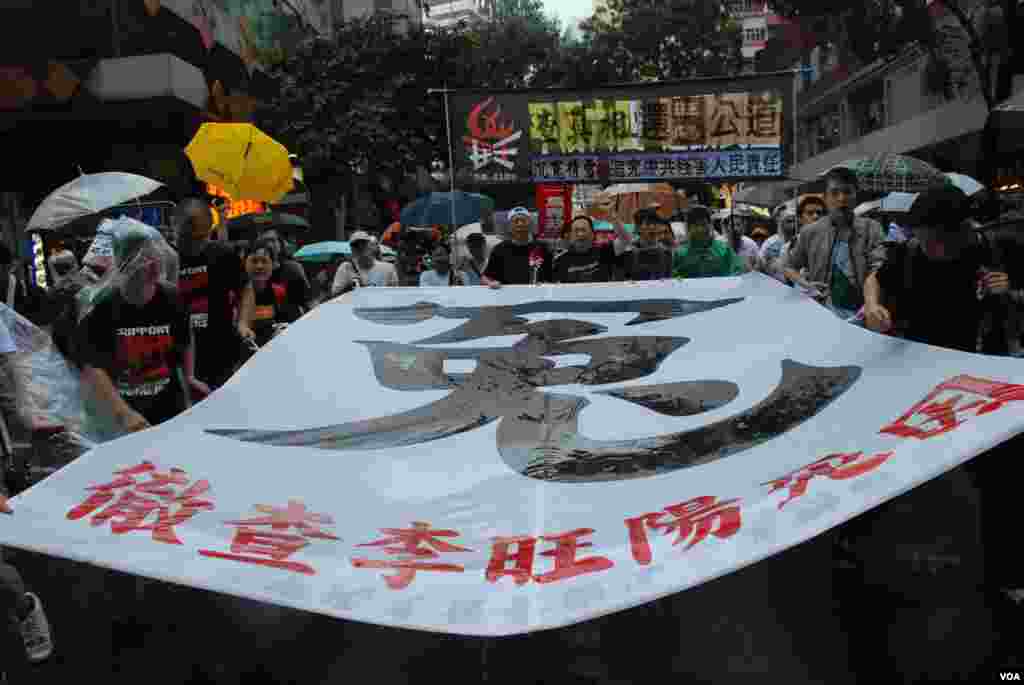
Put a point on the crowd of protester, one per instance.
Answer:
(201, 310)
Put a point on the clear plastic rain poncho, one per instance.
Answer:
(44, 387)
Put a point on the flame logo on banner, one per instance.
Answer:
(490, 137)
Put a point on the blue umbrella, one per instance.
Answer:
(323, 252)
(437, 208)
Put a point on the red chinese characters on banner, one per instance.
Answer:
(411, 545)
(129, 505)
(564, 554)
(834, 466)
(693, 520)
(950, 403)
(253, 544)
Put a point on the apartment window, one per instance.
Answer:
(754, 35)
(867, 108)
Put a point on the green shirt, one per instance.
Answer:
(704, 260)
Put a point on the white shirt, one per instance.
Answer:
(749, 252)
(6, 340)
(382, 274)
(432, 279)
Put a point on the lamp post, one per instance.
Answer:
(451, 156)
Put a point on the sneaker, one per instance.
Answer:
(35, 630)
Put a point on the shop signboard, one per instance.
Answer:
(704, 130)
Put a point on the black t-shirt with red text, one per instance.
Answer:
(140, 347)
(509, 263)
(270, 309)
(206, 282)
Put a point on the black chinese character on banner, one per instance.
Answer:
(737, 164)
(754, 164)
(537, 168)
(618, 168)
(556, 168)
(763, 117)
(725, 118)
(666, 166)
(589, 168)
(650, 167)
(699, 170)
(579, 128)
(546, 125)
(773, 164)
(654, 119)
(634, 168)
(684, 168)
(688, 120)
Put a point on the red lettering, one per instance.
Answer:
(265, 548)
(414, 542)
(131, 509)
(273, 547)
(849, 466)
(693, 520)
(564, 553)
(933, 416)
(523, 558)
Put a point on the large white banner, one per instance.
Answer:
(494, 462)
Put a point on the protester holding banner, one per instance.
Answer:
(703, 255)
(582, 262)
(209, 281)
(519, 260)
(288, 272)
(264, 304)
(839, 250)
(136, 340)
(474, 266)
(649, 259)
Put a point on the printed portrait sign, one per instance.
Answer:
(481, 462)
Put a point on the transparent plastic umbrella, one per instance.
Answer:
(89, 194)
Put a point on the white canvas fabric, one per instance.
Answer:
(421, 450)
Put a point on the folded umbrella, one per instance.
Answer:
(242, 160)
(89, 194)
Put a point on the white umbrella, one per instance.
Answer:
(88, 194)
(866, 207)
(965, 183)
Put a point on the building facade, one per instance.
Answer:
(903, 104)
(407, 13)
(451, 12)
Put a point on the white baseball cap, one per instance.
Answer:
(519, 211)
(360, 235)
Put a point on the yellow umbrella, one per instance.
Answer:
(243, 160)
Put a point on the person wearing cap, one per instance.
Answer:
(364, 269)
(510, 261)
(210, 282)
(136, 340)
(473, 267)
(838, 251)
(704, 256)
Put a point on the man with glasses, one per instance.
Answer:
(838, 250)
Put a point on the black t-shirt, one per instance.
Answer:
(140, 347)
(510, 263)
(206, 282)
(270, 309)
(596, 265)
(292, 276)
(648, 264)
(941, 306)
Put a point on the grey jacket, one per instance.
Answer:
(813, 249)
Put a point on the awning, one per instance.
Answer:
(148, 76)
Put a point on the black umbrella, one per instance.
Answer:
(249, 224)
